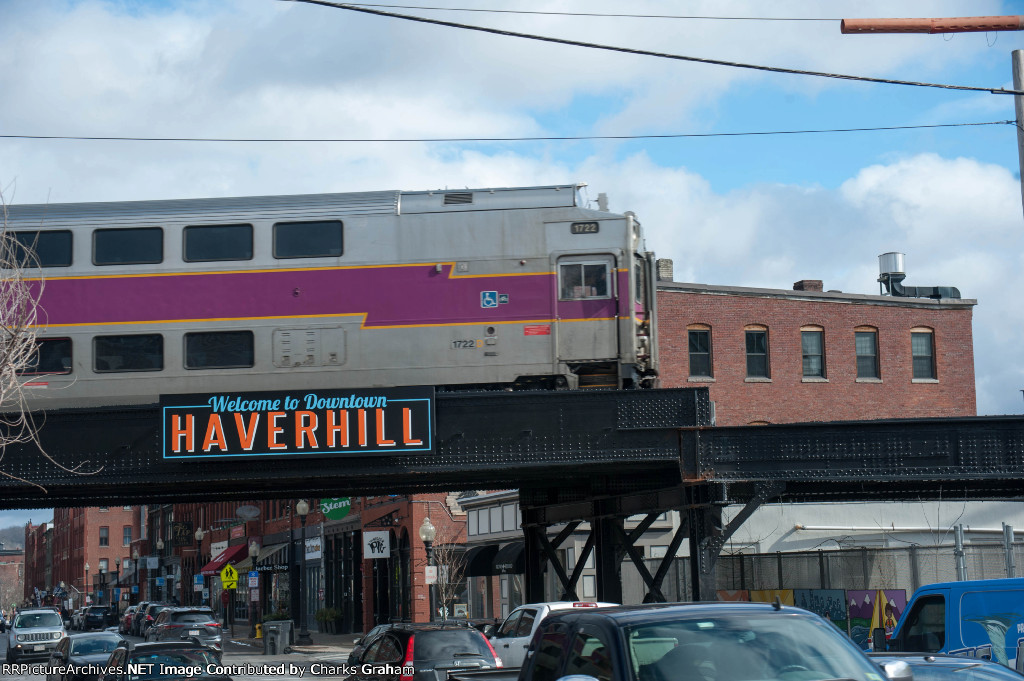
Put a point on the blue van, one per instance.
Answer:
(981, 618)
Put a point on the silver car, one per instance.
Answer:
(34, 633)
(184, 624)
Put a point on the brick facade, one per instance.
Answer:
(788, 397)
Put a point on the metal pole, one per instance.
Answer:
(303, 638)
(1011, 566)
(433, 587)
(1017, 58)
(958, 553)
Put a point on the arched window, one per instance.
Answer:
(699, 342)
(865, 339)
(922, 349)
(812, 347)
(757, 351)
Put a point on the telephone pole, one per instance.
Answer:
(960, 25)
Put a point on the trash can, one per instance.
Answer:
(271, 638)
(286, 628)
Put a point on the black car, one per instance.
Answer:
(361, 643)
(96, 617)
(162, 662)
(932, 667)
(80, 651)
(137, 617)
(431, 649)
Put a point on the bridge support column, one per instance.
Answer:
(607, 532)
(534, 557)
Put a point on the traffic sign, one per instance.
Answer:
(229, 577)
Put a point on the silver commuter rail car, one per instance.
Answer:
(469, 289)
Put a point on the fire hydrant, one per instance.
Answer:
(259, 631)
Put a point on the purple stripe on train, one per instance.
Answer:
(389, 296)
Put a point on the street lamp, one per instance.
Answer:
(199, 552)
(103, 580)
(254, 552)
(117, 578)
(427, 534)
(138, 567)
(160, 551)
(302, 508)
(85, 583)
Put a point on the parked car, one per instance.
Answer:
(34, 632)
(512, 637)
(124, 626)
(77, 656)
(361, 643)
(148, 616)
(182, 624)
(691, 641)
(948, 667)
(76, 618)
(431, 649)
(137, 618)
(164, 658)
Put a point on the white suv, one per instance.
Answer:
(34, 631)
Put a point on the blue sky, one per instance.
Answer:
(754, 211)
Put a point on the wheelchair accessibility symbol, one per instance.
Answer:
(488, 299)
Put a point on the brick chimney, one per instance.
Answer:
(808, 285)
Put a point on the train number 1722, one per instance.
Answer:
(467, 343)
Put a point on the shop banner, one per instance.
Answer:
(376, 545)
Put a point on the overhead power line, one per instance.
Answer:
(649, 53)
(553, 138)
(597, 14)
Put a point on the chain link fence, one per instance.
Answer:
(862, 568)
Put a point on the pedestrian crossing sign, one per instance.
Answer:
(229, 577)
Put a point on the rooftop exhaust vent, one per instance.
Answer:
(891, 274)
(458, 198)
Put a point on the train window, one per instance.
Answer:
(136, 246)
(52, 356)
(219, 350)
(583, 280)
(51, 248)
(321, 239)
(205, 243)
(641, 281)
(142, 352)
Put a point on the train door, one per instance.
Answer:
(587, 316)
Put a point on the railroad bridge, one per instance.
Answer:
(575, 456)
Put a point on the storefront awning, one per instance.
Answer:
(273, 557)
(509, 560)
(480, 560)
(232, 554)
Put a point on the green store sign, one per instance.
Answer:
(336, 509)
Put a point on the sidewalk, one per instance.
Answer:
(329, 645)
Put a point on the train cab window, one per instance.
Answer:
(219, 350)
(136, 246)
(52, 356)
(205, 243)
(49, 248)
(583, 280)
(320, 239)
(142, 352)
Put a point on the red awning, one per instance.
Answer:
(232, 554)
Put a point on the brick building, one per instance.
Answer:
(12, 576)
(36, 565)
(778, 356)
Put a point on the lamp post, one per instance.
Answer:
(427, 534)
(199, 552)
(85, 584)
(303, 639)
(135, 557)
(254, 551)
(117, 579)
(160, 552)
(103, 580)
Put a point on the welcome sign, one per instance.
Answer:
(299, 423)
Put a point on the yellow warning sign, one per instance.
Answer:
(229, 577)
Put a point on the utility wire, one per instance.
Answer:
(498, 139)
(597, 14)
(648, 53)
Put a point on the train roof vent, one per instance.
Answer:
(458, 198)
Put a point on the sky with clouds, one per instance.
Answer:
(751, 211)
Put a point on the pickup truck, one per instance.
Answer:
(512, 636)
(691, 641)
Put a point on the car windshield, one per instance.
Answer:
(449, 644)
(170, 663)
(93, 646)
(772, 647)
(31, 620)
